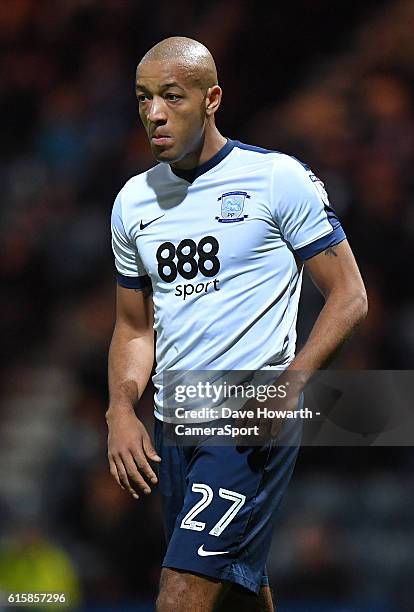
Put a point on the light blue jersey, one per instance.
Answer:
(223, 247)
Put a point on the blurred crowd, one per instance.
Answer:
(334, 87)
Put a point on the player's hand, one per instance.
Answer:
(270, 427)
(267, 428)
(129, 449)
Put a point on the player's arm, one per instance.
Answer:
(311, 227)
(131, 358)
(335, 272)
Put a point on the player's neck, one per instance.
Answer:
(212, 143)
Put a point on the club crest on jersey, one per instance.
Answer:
(232, 204)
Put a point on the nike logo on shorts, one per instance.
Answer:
(144, 225)
(209, 553)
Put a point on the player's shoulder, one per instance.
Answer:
(278, 160)
(140, 184)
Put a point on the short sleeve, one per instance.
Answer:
(301, 209)
(130, 272)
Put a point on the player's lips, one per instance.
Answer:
(160, 139)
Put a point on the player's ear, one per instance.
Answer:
(213, 99)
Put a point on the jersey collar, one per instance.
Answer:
(191, 175)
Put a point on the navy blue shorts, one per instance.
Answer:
(219, 504)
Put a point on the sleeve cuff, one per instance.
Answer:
(316, 247)
(133, 282)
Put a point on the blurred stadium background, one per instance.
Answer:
(331, 83)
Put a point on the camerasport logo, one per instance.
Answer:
(187, 260)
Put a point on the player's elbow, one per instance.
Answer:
(351, 304)
(360, 304)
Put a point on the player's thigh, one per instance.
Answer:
(225, 525)
(237, 599)
(182, 591)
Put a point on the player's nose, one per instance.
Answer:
(157, 112)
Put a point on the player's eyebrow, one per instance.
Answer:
(171, 84)
(167, 85)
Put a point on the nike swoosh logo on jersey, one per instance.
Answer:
(144, 225)
(209, 553)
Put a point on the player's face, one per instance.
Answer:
(172, 110)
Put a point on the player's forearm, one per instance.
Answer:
(129, 367)
(343, 311)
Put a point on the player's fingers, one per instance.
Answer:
(265, 430)
(241, 424)
(133, 471)
(277, 425)
(150, 450)
(114, 472)
(143, 466)
(123, 477)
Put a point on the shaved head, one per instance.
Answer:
(188, 54)
(178, 96)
